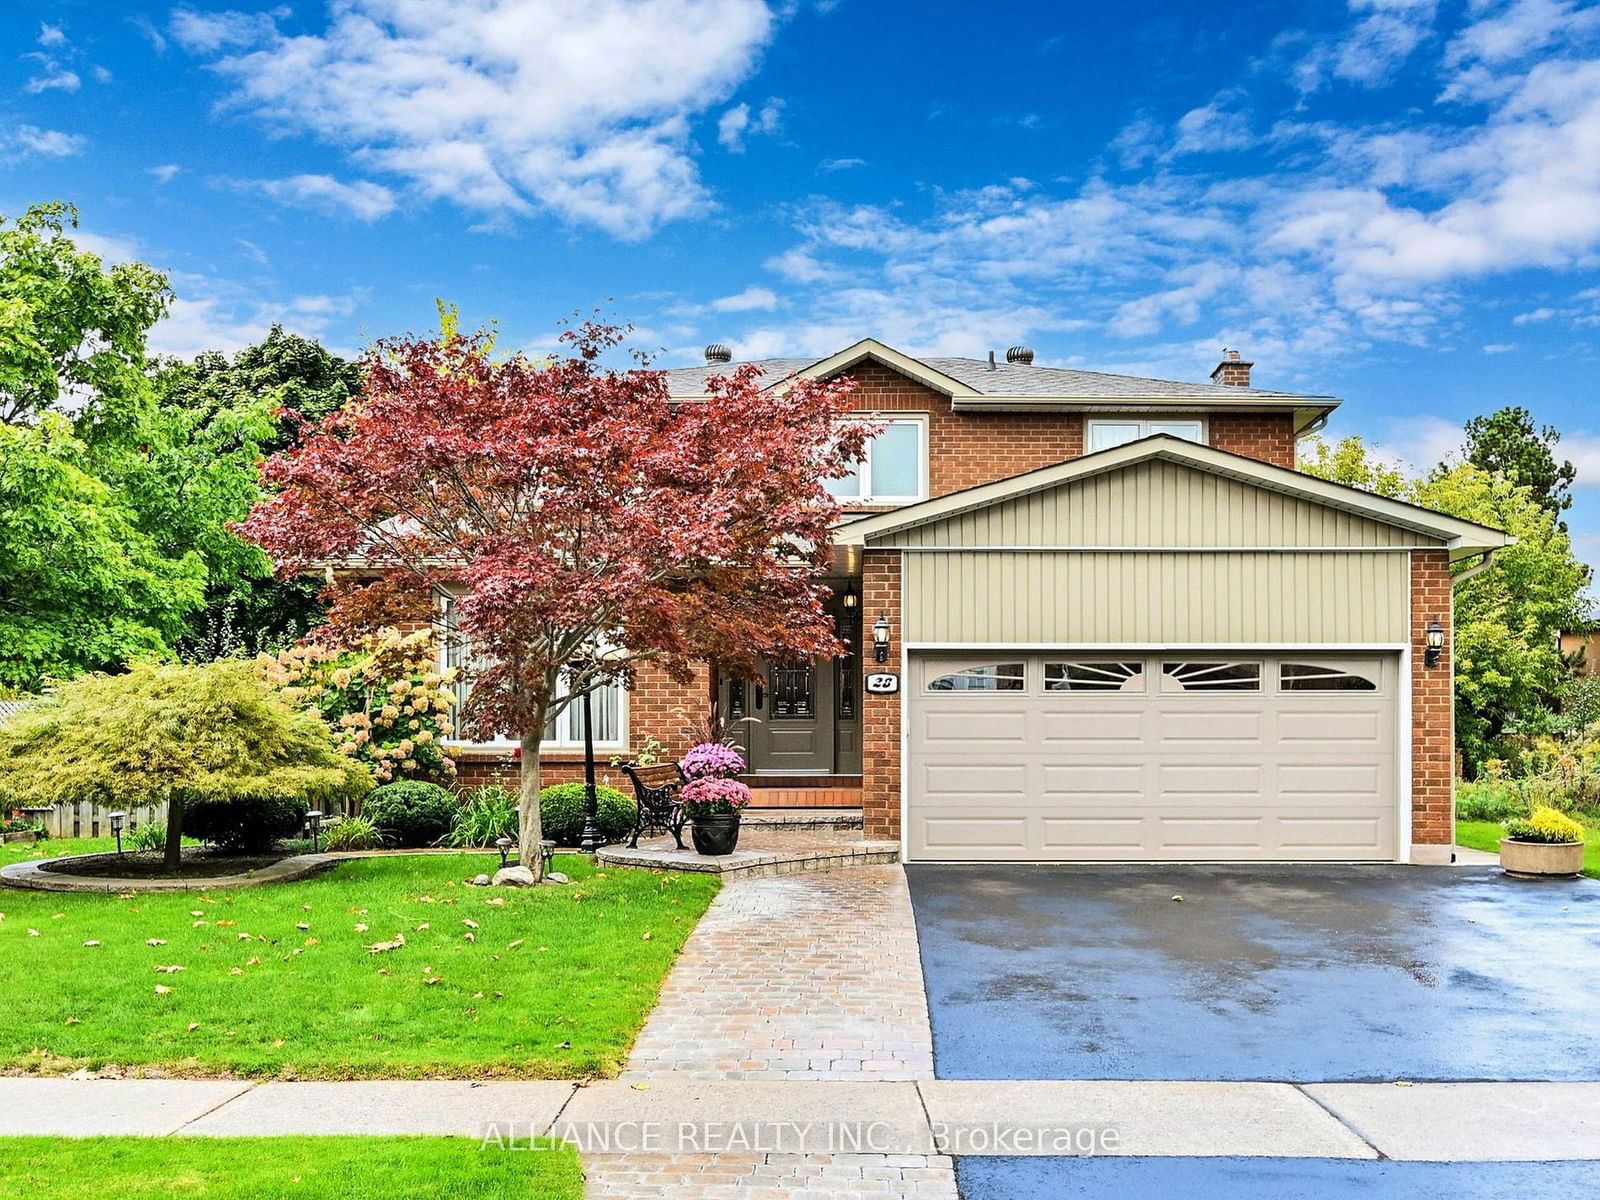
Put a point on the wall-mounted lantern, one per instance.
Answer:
(880, 639)
(850, 599)
(1435, 644)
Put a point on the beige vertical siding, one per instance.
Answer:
(1159, 504)
(1082, 596)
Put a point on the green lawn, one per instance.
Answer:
(1486, 835)
(13, 852)
(324, 1168)
(278, 980)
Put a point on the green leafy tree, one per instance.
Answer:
(1348, 462)
(82, 586)
(1507, 443)
(70, 328)
(214, 735)
(1507, 664)
(214, 420)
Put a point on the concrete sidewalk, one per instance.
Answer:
(1425, 1122)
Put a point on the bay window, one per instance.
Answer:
(608, 703)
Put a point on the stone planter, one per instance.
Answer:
(715, 833)
(1541, 860)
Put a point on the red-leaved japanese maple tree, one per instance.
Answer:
(585, 524)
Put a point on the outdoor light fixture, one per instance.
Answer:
(1430, 656)
(503, 844)
(117, 818)
(851, 599)
(314, 823)
(880, 639)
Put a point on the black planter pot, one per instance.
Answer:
(717, 833)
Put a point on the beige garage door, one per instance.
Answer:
(1177, 757)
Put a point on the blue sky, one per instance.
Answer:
(1395, 201)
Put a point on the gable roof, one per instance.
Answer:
(974, 384)
(1462, 538)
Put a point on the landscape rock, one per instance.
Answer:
(513, 877)
(556, 877)
(480, 881)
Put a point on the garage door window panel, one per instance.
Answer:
(1210, 676)
(990, 677)
(1094, 676)
(1317, 677)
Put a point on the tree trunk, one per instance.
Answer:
(174, 848)
(530, 829)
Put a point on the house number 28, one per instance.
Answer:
(882, 683)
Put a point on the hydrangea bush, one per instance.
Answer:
(711, 795)
(386, 702)
(712, 760)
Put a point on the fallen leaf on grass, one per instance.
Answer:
(227, 924)
(385, 947)
(74, 1021)
(235, 970)
(155, 941)
(302, 927)
(513, 943)
(197, 924)
(421, 927)
(361, 927)
(431, 980)
(193, 1025)
(496, 902)
(33, 933)
(254, 962)
(57, 916)
(197, 912)
(91, 942)
(471, 937)
(171, 969)
(470, 924)
(162, 989)
(646, 936)
(244, 937)
(311, 941)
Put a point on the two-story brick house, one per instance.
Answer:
(1097, 617)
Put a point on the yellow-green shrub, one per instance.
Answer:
(1544, 825)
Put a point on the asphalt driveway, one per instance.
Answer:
(1296, 973)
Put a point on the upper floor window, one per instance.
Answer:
(895, 468)
(1106, 432)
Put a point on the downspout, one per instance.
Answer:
(1488, 560)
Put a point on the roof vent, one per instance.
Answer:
(1022, 356)
(718, 353)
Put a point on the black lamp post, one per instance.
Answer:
(117, 818)
(1435, 644)
(314, 823)
(589, 840)
(503, 844)
(880, 639)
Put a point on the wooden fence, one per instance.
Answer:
(91, 820)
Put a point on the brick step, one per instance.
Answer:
(802, 818)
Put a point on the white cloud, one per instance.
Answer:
(1419, 443)
(30, 141)
(165, 173)
(154, 36)
(1383, 39)
(738, 124)
(1499, 348)
(51, 77)
(1213, 127)
(363, 199)
(830, 165)
(1534, 317)
(580, 107)
(51, 35)
(1583, 450)
(752, 299)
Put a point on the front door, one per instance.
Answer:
(788, 711)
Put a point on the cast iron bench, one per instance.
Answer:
(655, 788)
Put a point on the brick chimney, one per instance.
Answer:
(1232, 371)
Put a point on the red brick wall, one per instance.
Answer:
(1433, 756)
(880, 716)
(966, 449)
(1266, 436)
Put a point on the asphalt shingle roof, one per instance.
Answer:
(1006, 379)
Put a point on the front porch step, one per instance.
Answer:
(802, 818)
(752, 864)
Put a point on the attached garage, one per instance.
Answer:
(1179, 756)
(1161, 652)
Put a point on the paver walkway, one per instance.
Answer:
(811, 976)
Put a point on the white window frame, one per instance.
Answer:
(1144, 421)
(568, 724)
(864, 467)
